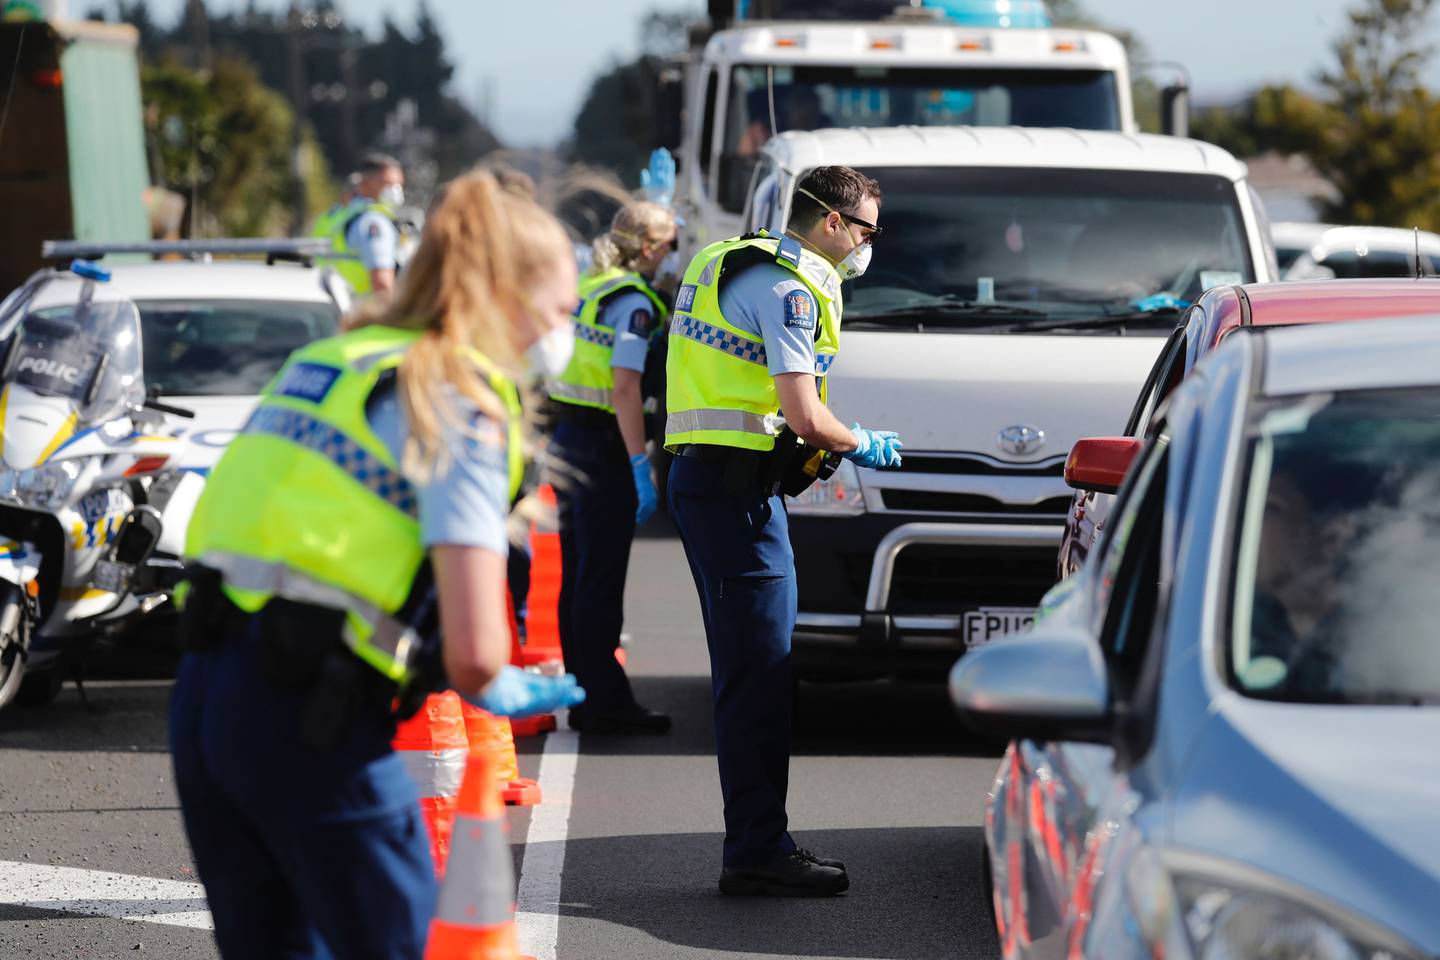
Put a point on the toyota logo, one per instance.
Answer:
(1021, 439)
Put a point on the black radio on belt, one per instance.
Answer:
(794, 465)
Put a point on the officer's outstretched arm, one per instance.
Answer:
(473, 623)
(811, 420)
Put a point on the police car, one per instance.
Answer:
(1025, 283)
(214, 332)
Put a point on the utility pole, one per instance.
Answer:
(300, 98)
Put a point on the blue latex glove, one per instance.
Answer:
(516, 693)
(875, 448)
(645, 490)
(657, 182)
(1159, 301)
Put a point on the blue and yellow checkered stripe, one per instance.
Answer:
(597, 335)
(340, 449)
(690, 328)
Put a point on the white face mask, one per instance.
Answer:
(550, 355)
(392, 195)
(856, 262)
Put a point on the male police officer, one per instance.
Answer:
(756, 327)
(366, 228)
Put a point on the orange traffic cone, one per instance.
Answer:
(492, 734)
(475, 919)
(542, 622)
(434, 747)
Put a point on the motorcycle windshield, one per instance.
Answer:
(87, 353)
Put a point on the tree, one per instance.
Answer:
(617, 126)
(223, 140)
(1371, 130)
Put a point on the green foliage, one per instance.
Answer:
(223, 139)
(616, 127)
(1371, 132)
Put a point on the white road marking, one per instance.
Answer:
(537, 916)
(98, 893)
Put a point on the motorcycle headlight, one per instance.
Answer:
(840, 496)
(46, 486)
(1211, 910)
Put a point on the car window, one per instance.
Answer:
(225, 347)
(1335, 564)
(1145, 403)
(1130, 567)
(1350, 264)
(707, 129)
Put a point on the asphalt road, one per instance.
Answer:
(882, 778)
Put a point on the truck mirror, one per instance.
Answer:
(669, 107)
(1175, 110)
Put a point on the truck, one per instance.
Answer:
(762, 67)
(1025, 284)
(72, 146)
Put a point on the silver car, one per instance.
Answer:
(1225, 730)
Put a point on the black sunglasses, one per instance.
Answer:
(870, 237)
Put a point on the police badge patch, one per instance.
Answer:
(640, 323)
(800, 310)
(685, 299)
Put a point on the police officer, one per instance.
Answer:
(365, 500)
(609, 485)
(367, 227)
(756, 328)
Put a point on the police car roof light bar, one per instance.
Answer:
(303, 249)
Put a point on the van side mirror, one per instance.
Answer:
(1048, 684)
(1099, 464)
(670, 107)
(1175, 110)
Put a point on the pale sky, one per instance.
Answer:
(541, 55)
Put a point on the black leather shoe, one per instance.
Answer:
(633, 720)
(795, 875)
(819, 861)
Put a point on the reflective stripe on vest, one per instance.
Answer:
(589, 380)
(719, 389)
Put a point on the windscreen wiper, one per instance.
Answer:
(1098, 323)
(958, 309)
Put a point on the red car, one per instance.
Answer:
(1218, 312)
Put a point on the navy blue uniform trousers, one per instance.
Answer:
(744, 568)
(304, 853)
(597, 504)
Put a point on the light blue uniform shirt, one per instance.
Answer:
(768, 301)
(468, 503)
(375, 239)
(632, 316)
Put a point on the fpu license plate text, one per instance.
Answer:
(983, 625)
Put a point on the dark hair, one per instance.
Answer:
(375, 163)
(843, 188)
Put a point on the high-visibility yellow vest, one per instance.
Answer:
(589, 379)
(335, 224)
(718, 387)
(307, 503)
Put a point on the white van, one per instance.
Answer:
(1024, 284)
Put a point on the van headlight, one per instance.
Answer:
(840, 496)
(1213, 910)
(44, 487)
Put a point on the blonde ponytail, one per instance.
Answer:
(635, 224)
(482, 248)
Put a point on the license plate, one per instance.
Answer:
(981, 626)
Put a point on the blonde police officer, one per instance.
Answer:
(600, 435)
(370, 487)
(756, 327)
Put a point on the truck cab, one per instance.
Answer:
(921, 66)
(1026, 282)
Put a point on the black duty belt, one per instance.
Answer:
(705, 452)
(584, 416)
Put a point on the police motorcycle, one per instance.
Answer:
(85, 467)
